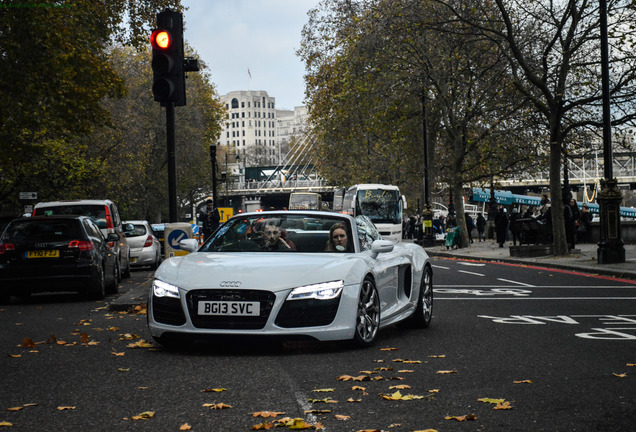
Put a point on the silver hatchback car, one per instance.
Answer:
(145, 249)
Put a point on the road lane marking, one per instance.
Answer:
(535, 298)
(622, 287)
(515, 282)
(471, 273)
(440, 267)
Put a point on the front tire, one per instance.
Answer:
(367, 314)
(113, 288)
(423, 314)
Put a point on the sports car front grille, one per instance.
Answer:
(265, 298)
(307, 313)
(168, 310)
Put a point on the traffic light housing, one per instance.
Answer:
(168, 59)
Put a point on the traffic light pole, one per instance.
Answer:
(172, 162)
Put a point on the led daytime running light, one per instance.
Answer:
(321, 291)
(163, 289)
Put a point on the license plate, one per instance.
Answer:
(43, 253)
(230, 308)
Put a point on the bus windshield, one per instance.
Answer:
(381, 206)
(305, 201)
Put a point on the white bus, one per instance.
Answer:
(383, 204)
(305, 201)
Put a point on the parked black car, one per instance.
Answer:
(56, 253)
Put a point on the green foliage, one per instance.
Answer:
(77, 115)
(378, 69)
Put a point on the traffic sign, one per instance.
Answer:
(225, 213)
(175, 237)
(28, 195)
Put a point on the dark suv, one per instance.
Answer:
(105, 215)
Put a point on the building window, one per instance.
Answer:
(242, 104)
(235, 103)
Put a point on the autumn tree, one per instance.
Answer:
(55, 75)
(553, 52)
(377, 69)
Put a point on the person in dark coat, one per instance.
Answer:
(585, 219)
(576, 218)
(515, 227)
(501, 226)
(210, 217)
(470, 225)
(481, 226)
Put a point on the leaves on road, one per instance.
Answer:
(144, 415)
(470, 417)
(399, 396)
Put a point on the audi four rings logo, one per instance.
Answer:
(230, 284)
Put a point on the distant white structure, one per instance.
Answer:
(290, 124)
(256, 131)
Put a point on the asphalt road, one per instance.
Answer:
(557, 347)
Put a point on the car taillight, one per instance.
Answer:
(82, 245)
(149, 242)
(6, 247)
(109, 219)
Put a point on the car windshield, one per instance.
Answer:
(282, 233)
(42, 230)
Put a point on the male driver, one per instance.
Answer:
(272, 241)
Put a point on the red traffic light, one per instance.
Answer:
(161, 39)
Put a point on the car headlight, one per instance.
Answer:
(321, 291)
(163, 289)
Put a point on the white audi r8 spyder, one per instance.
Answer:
(322, 275)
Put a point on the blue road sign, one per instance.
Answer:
(175, 237)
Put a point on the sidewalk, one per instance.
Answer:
(583, 258)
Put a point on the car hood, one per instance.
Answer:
(269, 271)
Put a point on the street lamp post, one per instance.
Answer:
(427, 213)
(610, 245)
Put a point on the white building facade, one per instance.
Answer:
(250, 127)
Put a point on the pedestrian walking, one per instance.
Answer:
(210, 217)
(501, 226)
(585, 218)
(515, 227)
(481, 226)
(470, 225)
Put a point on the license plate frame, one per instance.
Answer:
(229, 308)
(42, 253)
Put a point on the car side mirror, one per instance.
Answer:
(381, 246)
(190, 245)
(112, 237)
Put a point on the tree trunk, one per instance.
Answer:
(559, 244)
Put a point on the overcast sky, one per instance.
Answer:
(232, 36)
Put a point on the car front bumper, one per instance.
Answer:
(178, 317)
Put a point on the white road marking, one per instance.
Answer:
(629, 287)
(471, 273)
(474, 264)
(515, 282)
(440, 267)
(534, 298)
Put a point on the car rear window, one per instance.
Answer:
(96, 212)
(138, 231)
(44, 230)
